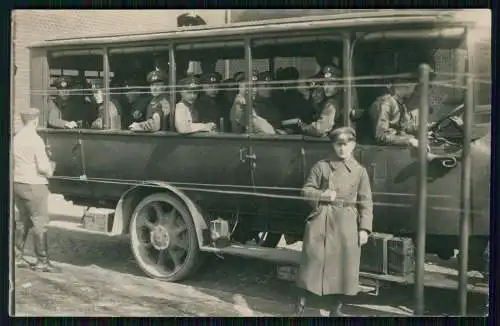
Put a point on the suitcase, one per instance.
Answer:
(401, 256)
(96, 219)
(374, 254)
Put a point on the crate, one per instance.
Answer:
(401, 256)
(374, 254)
(96, 219)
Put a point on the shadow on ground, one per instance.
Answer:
(245, 287)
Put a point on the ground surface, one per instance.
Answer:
(101, 278)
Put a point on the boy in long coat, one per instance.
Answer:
(339, 191)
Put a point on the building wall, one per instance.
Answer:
(33, 26)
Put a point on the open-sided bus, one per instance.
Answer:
(166, 188)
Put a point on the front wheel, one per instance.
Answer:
(163, 238)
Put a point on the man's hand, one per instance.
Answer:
(363, 237)
(330, 194)
(53, 165)
(210, 126)
(413, 142)
(70, 125)
(134, 126)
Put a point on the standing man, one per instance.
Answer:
(68, 111)
(31, 169)
(158, 109)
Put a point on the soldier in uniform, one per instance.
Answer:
(211, 104)
(264, 106)
(326, 110)
(69, 111)
(238, 115)
(290, 101)
(338, 190)
(158, 108)
(133, 102)
(187, 118)
(392, 122)
(31, 169)
(113, 115)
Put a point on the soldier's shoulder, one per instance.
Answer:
(239, 99)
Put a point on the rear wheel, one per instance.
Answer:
(163, 238)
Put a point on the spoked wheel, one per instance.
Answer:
(163, 238)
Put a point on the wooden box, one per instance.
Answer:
(100, 220)
(401, 256)
(374, 254)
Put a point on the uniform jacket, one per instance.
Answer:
(323, 118)
(266, 109)
(114, 117)
(292, 104)
(331, 250)
(157, 113)
(211, 109)
(392, 123)
(187, 118)
(73, 109)
(238, 118)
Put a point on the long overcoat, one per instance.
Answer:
(331, 250)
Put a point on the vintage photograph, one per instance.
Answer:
(250, 163)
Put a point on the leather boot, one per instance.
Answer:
(20, 241)
(43, 264)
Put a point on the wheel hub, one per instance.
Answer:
(160, 239)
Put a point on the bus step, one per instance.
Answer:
(77, 227)
(276, 255)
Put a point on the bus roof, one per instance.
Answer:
(363, 18)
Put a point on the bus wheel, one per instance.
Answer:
(163, 238)
(267, 239)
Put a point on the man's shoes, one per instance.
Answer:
(46, 267)
(20, 262)
(299, 308)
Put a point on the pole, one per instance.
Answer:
(107, 98)
(11, 206)
(249, 86)
(172, 81)
(347, 72)
(227, 19)
(466, 184)
(424, 70)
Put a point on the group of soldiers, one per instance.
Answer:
(206, 103)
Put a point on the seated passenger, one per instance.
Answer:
(238, 114)
(264, 106)
(392, 123)
(114, 109)
(67, 111)
(158, 108)
(186, 116)
(289, 99)
(133, 102)
(211, 104)
(326, 109)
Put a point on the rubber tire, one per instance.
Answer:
(194, 257)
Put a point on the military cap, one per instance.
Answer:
(97, 84)
(342, 134)
(239, 76)
(265, 76)
(62, 82)
(189, 82)
(155, 76)
(30, 114)
(211, 78)
(330, 72)
(255, 75)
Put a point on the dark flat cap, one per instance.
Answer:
(342, 132)
(265, 76)
(30, 114)
(211, 78)
(62, 82)
(189, 82)
(156, 76)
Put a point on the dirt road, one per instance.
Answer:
(101, 278)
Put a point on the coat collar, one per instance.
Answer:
(349, 163)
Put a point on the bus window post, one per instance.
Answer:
(249, 86)
(466, 188)
(107, 95)
(347, 73)
(424, 71)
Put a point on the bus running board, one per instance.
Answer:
(277, 255)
